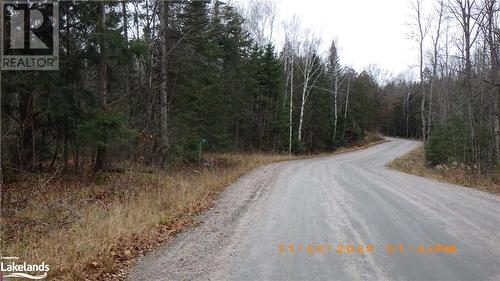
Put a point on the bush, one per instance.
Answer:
(354, 134)
(298, 147)
(339, 142)
(439, 147)
(107, 130)
(186, 149)
(357, 134)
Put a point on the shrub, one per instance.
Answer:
(186, 150)
(298, 147)
(439, 147)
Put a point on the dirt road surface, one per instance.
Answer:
(346, 199)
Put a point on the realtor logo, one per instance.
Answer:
(30, 35)
(11, 269)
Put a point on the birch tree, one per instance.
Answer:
(288, 71)
(310, 69)
(290, 50)
(349, 76)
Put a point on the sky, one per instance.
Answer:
(368, 32)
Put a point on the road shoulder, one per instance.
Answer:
(414, 163)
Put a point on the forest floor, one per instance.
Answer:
(93, 229)
(414, 163)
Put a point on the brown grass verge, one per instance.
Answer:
(414, 163)
(89, 231)
(93, 230)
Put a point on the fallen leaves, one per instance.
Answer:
(126, 250)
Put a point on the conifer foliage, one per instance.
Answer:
(153, 81)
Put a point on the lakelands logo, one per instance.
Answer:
(30, 35)
(10, 268)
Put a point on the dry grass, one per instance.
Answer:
(414, 163)
(93, 229)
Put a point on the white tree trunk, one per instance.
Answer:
(302, 106)
(309, 71)
(347, 97)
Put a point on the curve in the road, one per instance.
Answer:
(345, 199)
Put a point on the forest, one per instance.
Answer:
(157, 106)
(152, 82)
(149, 81)
(453, 105)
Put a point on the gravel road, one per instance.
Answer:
(346, 199)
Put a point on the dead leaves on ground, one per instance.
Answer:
(112, 264)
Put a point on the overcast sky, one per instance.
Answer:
(367, 31)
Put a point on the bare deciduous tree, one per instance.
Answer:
(260, 18)
(350, 74)
(421, 24)
(310, 68)
(434, 59)
(491, 31)
(290, 49)
(462, 10)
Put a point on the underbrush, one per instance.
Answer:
(456, 173)
(87, 230)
